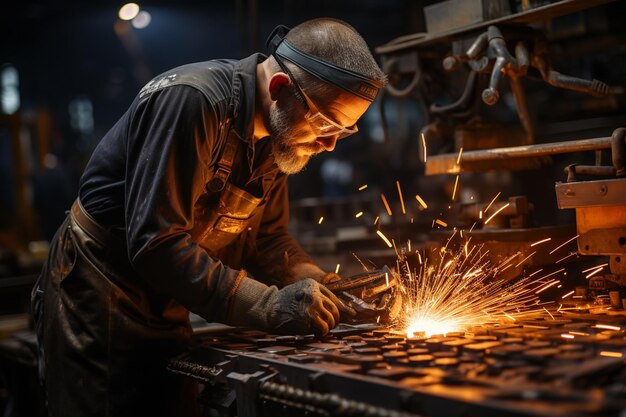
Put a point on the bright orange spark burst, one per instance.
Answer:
(462, 289)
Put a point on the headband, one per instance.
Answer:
(350, 81)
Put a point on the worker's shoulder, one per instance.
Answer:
(212, 78)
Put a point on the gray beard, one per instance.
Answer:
(285, 153)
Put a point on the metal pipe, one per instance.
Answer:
(618, 151)
(447, 163)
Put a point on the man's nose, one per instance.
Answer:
(328, 142)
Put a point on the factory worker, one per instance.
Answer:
(183, 207)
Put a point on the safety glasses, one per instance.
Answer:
(321, 125)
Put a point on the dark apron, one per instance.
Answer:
(105, 338)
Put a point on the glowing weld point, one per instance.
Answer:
(382, 197)
(607, 327)
(610, 354)
(497, 211)
(320, 220)
(541, 241)
(359, 214)
(337, 269)
(422, 202)
(362, 187)
(567, 336)
(383, 237)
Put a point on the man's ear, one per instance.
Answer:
(278, 82)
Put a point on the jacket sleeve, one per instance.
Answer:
(171, 137)
(277, 250)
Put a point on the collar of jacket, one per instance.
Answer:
(244, 90)
(242, 105)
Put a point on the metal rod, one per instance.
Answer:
(447, 163)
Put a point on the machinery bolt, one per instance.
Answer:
(490, 96)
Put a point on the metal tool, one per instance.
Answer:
(374, 295)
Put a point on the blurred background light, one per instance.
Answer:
(142, 20)
(128, 11)
(9, 86)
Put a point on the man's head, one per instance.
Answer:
(308, 113)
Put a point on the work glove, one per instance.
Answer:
(303, 307)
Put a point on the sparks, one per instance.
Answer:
(539, 242)
(568, 294)
(441, 223)
(401, 198)
(424, 144)
(462, 289)
(383, 237)
(497, 211)
(594, 267)
(320, 220)
(567, 336)
(562, 244)
(589, 275)
(362, 187)
(422, 202)
(359, 214)
(610, 354)
(376, 220)
(492, 201)
(382, 197)
(456, 183)
(337, 269)
(458, 158)
(565, 257)
(607, 327)
(525, 259)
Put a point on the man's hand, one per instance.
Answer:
(303, 307)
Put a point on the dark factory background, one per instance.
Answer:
(69, 70)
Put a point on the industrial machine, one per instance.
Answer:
(515, 133)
